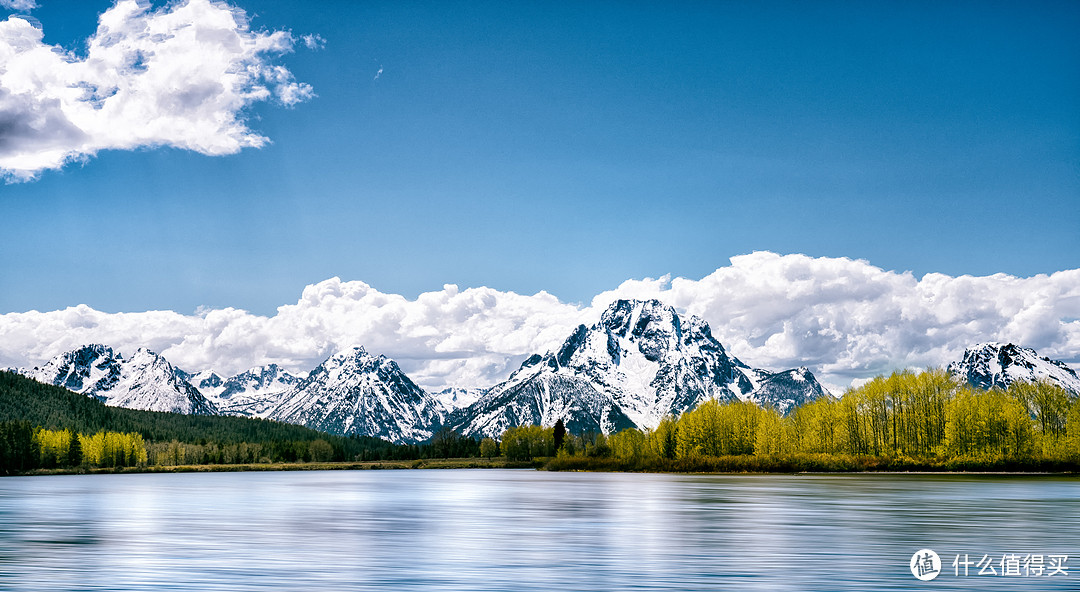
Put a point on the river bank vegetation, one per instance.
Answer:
(904, 422)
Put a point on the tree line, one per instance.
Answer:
(911, 419)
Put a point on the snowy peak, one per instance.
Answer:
(656, 328)
(145, 381)
(88, 370)
(996, 365)
(641, 361)
(353, 392)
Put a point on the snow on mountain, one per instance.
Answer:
(145, 381)
(256, 392)
(453, 398)
(353, 392)
(207, 381)
(640, 362)
(787, 390)
(990, 365)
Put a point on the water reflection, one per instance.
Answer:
(522, 530)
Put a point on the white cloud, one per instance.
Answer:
(23, 5)
(313, 42)
(845, 319)
(179, 76)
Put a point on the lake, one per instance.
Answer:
(515, 530)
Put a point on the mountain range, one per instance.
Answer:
(641, 361)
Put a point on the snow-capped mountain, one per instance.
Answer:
(990, 365)
(143, 381)
(454, 398)
(641, 361)
(254, 393)
(353, 392)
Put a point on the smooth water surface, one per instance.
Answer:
(482, 530)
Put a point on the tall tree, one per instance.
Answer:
(559, 434)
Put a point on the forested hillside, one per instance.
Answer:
(46, 418)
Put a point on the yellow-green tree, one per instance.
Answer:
(528, 442)
(713, 429)
(1049, 404)
(113, 449)
(987, 425)
(663, 441)
(488, 448)
(629, 444)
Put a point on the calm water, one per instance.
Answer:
(524, 530)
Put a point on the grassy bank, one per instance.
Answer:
(807, 463)
(439, 463)
(736, 464)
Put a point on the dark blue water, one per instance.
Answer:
(524, 530)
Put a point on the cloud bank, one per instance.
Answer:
(179, 76)
(845, 319)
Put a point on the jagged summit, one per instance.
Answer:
(641, 361)
(144, 381)
(997, 365)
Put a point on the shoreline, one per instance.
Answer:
(540, 464)
(386, 465)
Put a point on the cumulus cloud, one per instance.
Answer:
(450, 337)
(23, 5)
(845, 319)
(179, 76)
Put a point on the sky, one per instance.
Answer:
(867, 185)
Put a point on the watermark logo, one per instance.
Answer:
(1018, 565)
(925, 564)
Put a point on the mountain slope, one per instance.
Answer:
(990, 365)
(353, 392)
(145, 381)
(641, 361)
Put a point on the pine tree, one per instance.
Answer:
(74, 453)
(559, 434)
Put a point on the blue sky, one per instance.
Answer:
(568, 147)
